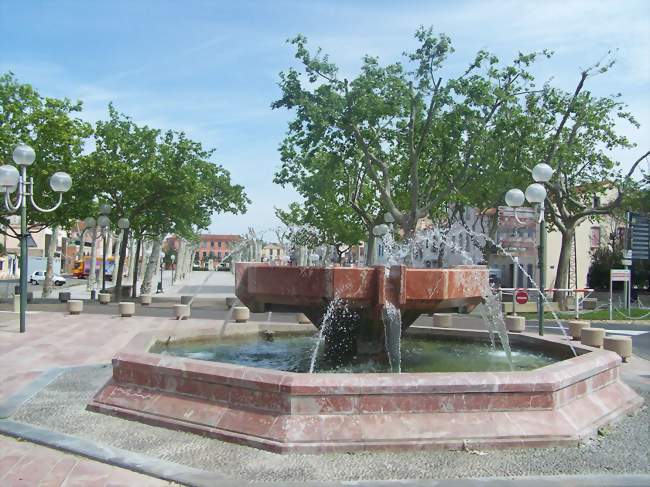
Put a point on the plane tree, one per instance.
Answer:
(52, 127)
(162, 182)
(421, 139)
(579, 135)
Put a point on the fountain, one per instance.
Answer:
(367, 379)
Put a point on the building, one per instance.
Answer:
(272, 252)
(213, 249)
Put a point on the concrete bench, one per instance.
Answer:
(127, 309)
(75, 306)
(181, 311)
(442, 320)
(302, 319)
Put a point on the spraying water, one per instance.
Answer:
(392, 318)
(328, 320)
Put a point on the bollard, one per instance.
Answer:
(619, 344)
(442, 320)
(75, 306)
(516, 324)
(593, 337)
(145, 299)
(181, 311)
(576, 327)
(104, 298)
(127, 309)
(241, 314)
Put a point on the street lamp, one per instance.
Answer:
(160, 284)
(173, 258)
(104, 222)
(536, 194)
(11, 180)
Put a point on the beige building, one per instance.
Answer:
(271, 252)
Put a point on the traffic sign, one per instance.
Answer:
(620, 275)
(639, 235)
(521, 297)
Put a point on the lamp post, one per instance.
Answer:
(103, 221)
(160, 284)
(173, 258)
(11, 180)
(536, 194)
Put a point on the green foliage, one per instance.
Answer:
(164, 183)
(603, 259)
(398, 136)
(52, 128)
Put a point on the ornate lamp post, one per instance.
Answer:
(173, 258)
(11, 180)
(160, 284)
(536, 194)
(104, 222)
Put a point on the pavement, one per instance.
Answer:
(59, 355)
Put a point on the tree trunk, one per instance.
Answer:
(82, 246)
(562, 274)
(92, 275)
(180, 269)
(124, 240)
(370, 250)
(152, 265)
(136, 258)
(49, 270)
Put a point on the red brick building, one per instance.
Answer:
(213, 248)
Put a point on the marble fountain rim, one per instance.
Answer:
(552, 377)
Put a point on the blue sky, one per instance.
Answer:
(210, 68)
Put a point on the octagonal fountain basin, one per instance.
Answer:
(552, 397)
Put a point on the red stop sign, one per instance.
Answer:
(521, 297)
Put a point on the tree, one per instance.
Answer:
(416, 138)
(163, 183)
(51, 127)
(575, 132)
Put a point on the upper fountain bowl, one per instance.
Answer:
(368, 290)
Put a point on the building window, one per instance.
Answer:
(219, 244)
(205, 254)
(211, 244)
(219, 255)
(595, 237)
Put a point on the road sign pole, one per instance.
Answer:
(515, 284)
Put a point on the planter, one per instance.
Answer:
(104, 298)
(181, 311)
(145, 299)
(593, 337)
(576, 327)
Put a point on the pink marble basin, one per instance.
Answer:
(289, 412)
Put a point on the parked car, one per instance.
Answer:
(38, 276)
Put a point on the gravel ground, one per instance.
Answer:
(622, 449)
